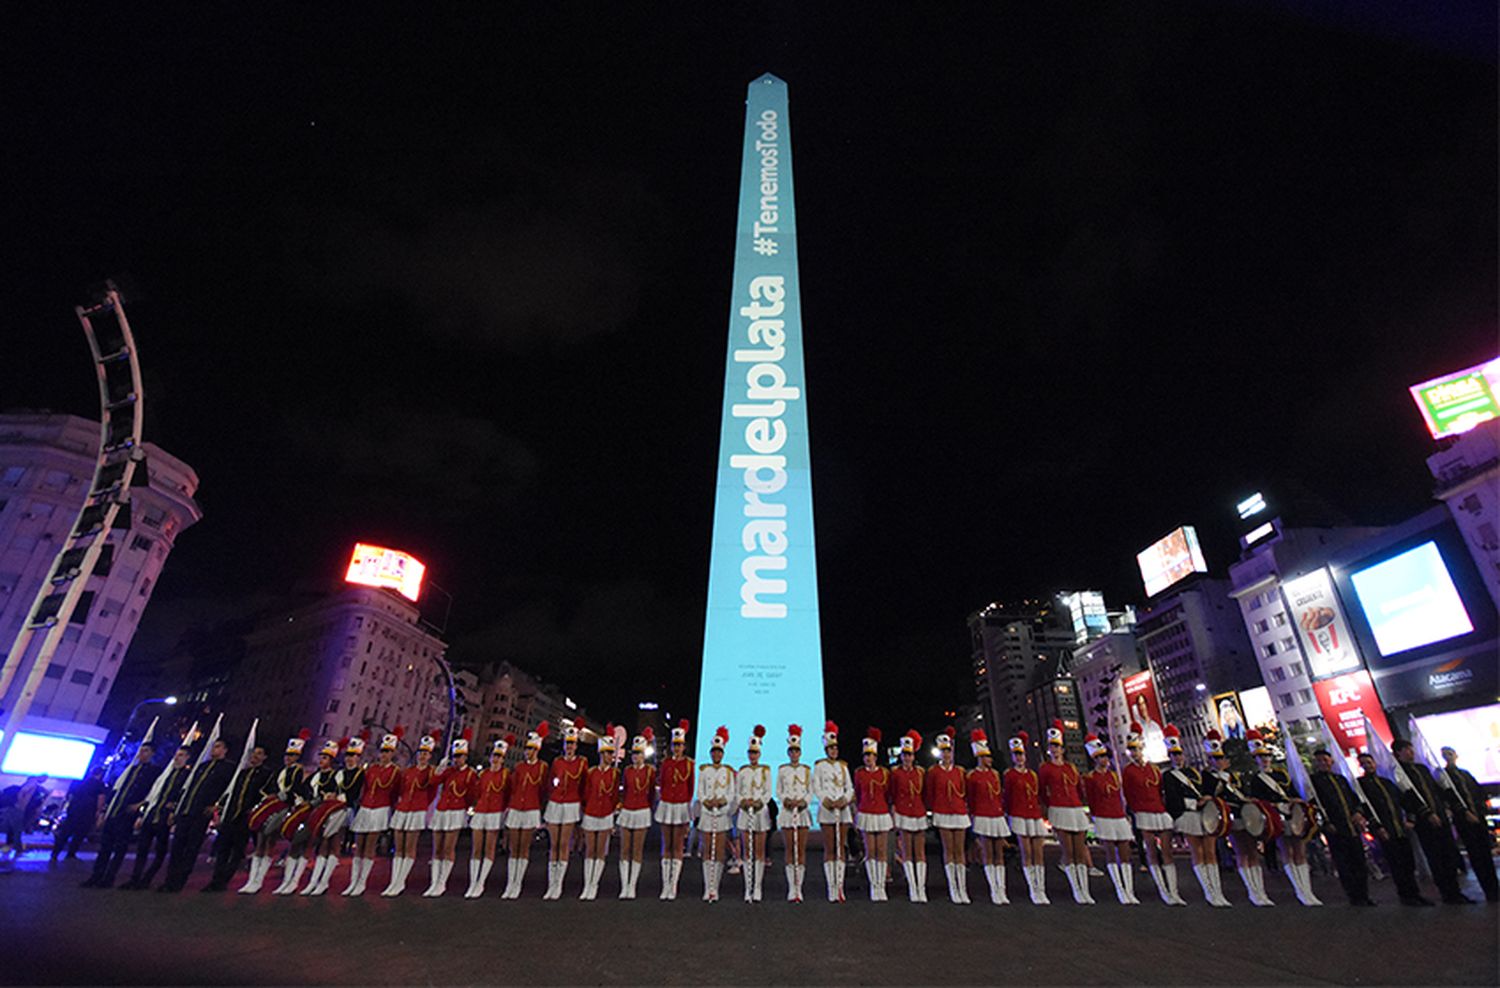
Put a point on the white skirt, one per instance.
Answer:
(911, 824)
(754, 821)
(635, 819)
(841, 815)
(563, 813)
(1153, 821)
(409, 820)
(1112, 828)
(1028, 826)
(1072, 818)
(523, 819)
(991, 826)
(951, 821)
(1190, 824)
(874, 823)
(371, 819)
(598, 823)
(713, 821)
(793, 819)
(488, 821)
(675, 814)
(450, 819)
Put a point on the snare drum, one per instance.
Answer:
(295, 819)
(317, 820)
(1301, 820)
(1261, 819)
(1216, 818)
(264, 811)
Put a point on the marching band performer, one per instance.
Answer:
(267, 818)
(947, 797)
(988, 811)
(635, 811)
(1184, 793)
(1142, 784)
(523, 813)
(1061, 788)
(459, 786)
(564, 807)
(716, 791)
(793, 790)
(323, 811)
(416, 790)
(489, 817)
(1020, 790)
(753, 783)
(908, 783)
(377, 795)
(1274, 786)
(872, 786)
(674, 808)
(600, 800)
(834, 789)
(1246, 846)
(1106, 801)
(344, 792)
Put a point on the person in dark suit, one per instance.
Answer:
(1425, 803)
(205, 784)
(85, 804)
(249, 787)
(122, 805)
(1343, 826)
(154, 838)
(1392, 828)
(1466, 804)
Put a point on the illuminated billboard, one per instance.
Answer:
(1256, 704)
(1144, 708)
(1170, 559)
(1410, 600)
(1229, 715)
(1345, 702)
(390, 569)
(1320, 624)
(762, 647)
(1474, 734)
(1457, 402)
(51, 755)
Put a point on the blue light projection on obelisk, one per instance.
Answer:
(762, 656)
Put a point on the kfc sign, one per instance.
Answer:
(1345, 702)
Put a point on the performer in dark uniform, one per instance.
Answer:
(1274, 785)
(121, 808)
(244, 793)
(1392, 826)
(1185, 794)
(155, 835)
(1466, 803)
(1344, 825)
(1225, 784)
(1425, 802)
(205, 784)
(267, 819)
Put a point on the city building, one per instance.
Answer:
(1196, 647)
(1053, 696)
(1097, 666)
(1467, 471)
(1009, 642)
(46, 464)
(512, 701)
(354, 658)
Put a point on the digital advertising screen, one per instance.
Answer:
(1257, 707)
(1320, 624)
(1457, 402)
(48, 754)
(1229, 715)
(1345, 702)
(1410, 600)
(390, 569)
(1171, 559)
(1144, 708)
(1473, 733)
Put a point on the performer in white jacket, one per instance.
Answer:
(754, 819)
(834, 790)
(793, 790)
(716, 795)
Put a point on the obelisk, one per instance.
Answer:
(762, 656)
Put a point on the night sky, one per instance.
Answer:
(1071, 278)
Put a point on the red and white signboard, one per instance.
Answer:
(392, 569)
(1145, 709)
(1346, 701)
(1320, 624)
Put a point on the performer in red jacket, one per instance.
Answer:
(1142, 784)
(1023, 809)
(460, 787)
(1061, 787)
(635, 811)
(908, 785)
(947, 797)
(601, 797)
(1106, 798)
(872, 787)
(489, 817)
(564, 807)
(676, 780)
(415, 793)
(988, 810)
(523, 811)
(376, 798)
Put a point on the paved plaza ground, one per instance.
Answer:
(53, 932)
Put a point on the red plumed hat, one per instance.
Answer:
(544, 728)
(760, 730)
(648, 734)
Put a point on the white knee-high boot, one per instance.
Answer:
(1117, 876)
(1127, 872)
(293, 876)
(760, 879)
(995, 873)
(1205, 882)
(1039, 896)
(791, 883)
(911, 880)
(950, 872)
(626, 892)
(922, 881)
(257, 876)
